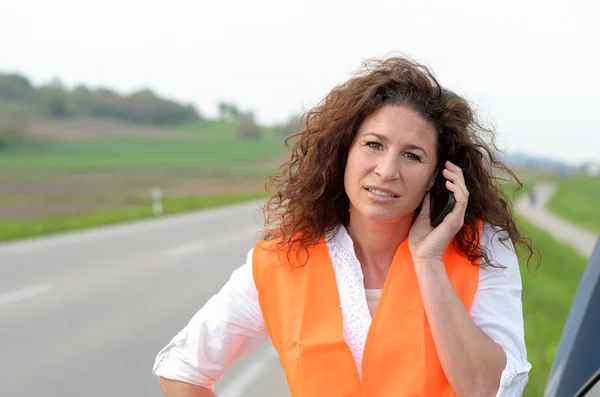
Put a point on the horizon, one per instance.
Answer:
(520, 65)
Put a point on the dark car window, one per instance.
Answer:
(578, 357)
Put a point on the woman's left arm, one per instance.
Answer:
(472, 361)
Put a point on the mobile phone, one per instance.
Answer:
(441, 200)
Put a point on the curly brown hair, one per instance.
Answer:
(310, 199)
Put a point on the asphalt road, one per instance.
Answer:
(85, 313)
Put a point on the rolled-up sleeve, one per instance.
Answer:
(227, 328)
(497, 310)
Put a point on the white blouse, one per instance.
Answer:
(230, 325)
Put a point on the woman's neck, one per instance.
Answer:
(375, 245)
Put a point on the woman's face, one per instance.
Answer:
(390, 164)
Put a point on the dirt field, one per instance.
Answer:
(89, 128)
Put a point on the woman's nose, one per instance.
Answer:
(388, 168)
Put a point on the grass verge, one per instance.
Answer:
(14, 229)
(547, 296)
(578, 200)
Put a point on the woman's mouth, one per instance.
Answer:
(380, 195)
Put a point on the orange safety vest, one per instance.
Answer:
(302, 313)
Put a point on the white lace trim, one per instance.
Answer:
(510, 374)
(355, 310)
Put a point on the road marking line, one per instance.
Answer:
(185, 249)
(24, 293)
(248, 375)
(213, 243)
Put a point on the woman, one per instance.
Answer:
(359, 294)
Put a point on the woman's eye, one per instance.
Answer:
(374, 145)
(412, 156)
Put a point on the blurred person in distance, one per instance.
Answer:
(358, 292)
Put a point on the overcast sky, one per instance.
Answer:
(532, 67)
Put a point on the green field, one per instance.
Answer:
(210, 145)
(120, 153)
(578, 200)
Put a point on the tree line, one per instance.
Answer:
(55, 100)
(248, 129)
